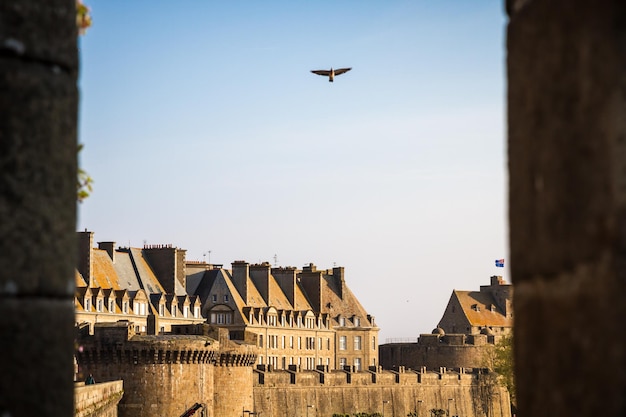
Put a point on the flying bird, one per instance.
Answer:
(331, 73)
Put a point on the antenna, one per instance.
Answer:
(275, 260)
(204, 256)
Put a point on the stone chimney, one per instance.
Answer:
(241, 273)
(311, 281)
(109, 247)
(340, 281)
(85, 255)
(286, 278)
(260, 275)
(502, 293)
(168, 264)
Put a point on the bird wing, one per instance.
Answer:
(321, 72)
(341, 70)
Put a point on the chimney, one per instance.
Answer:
(241, 273)
(109, 247)
(286, 278)
(311, 281)
(85, 255)
(339, 277)
(260, 275)
(168, 264)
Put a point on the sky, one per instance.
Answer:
(204, 128)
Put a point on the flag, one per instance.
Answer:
(500, 263)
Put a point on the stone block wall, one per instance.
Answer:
(466, 395)
(97, 400)
(431, 351)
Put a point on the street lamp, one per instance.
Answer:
(419, 405)
(449, 400)
(384, 402)
(307, 409)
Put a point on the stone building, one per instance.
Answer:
(194, 368)
(145, 287)
(305, 318)
(487, 311)
(472, 323)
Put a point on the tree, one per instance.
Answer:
(504, 365)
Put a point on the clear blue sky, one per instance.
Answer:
(204, 128)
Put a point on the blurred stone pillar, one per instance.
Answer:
(566, 69)
(38, 113)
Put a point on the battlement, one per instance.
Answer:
(116, 343)
(265, 376)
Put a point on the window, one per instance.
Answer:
(186, 311)
(87, 304)
(342, 363)
(99, 305)
(283, 346)
(299, 343)
(342, 321)
(125, 307)
(357, 321)
(357, 342)
(196, 312)
(214, 298)
(342, 343)
(161, 309)
(225, 298)
(328, 343)
(357, 364)
(221, 318)
(373, 342)
(174, 308)
(319, 343)
(261, 344)
(111, 306)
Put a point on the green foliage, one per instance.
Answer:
(504, 365)
(83, 182)
(83, 18)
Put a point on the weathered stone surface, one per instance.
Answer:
(36, 357)
(567, 204)
(38, 182)
(97, 400)
(39, 31)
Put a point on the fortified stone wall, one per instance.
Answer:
(97, 400)
(434, 351)
(322, 394)
(167, 374)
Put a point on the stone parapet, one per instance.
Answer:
(97, 400)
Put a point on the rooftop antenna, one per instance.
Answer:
(204, 255)
(275, 260)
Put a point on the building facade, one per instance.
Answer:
(302, 319)
(488, 311)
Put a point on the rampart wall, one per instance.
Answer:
(322, 394)
(166, 375)
(97, 400)
(433, 351)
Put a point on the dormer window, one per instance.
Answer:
(342, 321)
(214, 298)
(225, 298)
(357, 321)
(475, 307)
